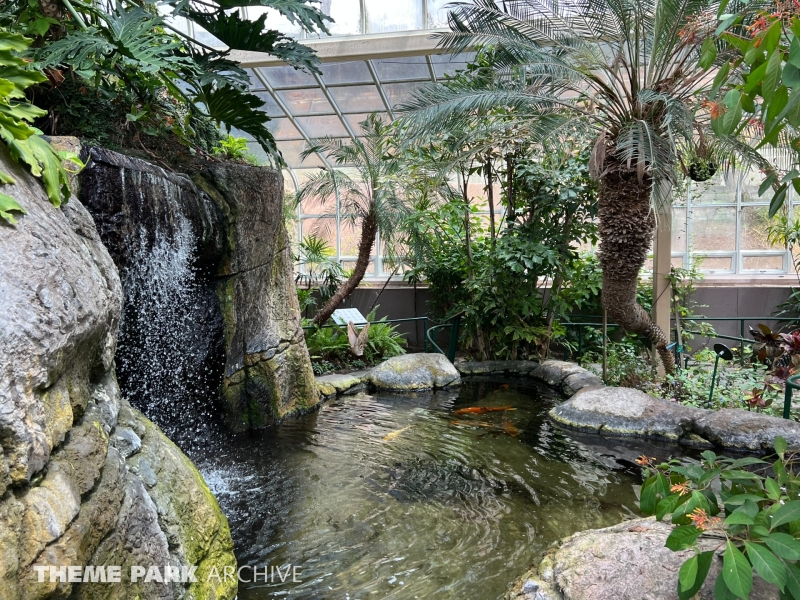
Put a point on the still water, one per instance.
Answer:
(395, 496)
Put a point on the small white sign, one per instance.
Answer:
(344, 315)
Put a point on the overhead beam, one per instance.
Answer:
(362, 47)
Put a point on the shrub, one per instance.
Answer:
(755, 517)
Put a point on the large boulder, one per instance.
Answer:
(624, 562)
(414, 372)
(616, 411)
(72, 488)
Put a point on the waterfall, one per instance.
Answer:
(158, 227)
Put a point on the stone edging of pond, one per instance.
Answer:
(625, 412)
(406, 373)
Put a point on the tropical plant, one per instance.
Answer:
(764, 97)
(234, 148)
(127, 52)
(733, 506)
(320, 268)
(23, 141)
(369, 201)
(630, 72)
(496, 279)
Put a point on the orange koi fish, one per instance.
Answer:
(479, 410)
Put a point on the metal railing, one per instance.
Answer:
(451, 351)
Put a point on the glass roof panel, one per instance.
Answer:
(283, 129)
(275, 20)
(437, 14)
(309, 101)
(358, 98)
(397, 93)
(401, 69)
(291, 154)
(345, 72)
(286, 76)
(272, 108)
(322, 126)
(397, 15)
(255, 82)
(346, 15)
(448, 64)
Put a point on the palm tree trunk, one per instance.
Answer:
(369, 230)
(626, 232)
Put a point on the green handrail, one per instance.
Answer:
(453, 324)
(791, 385)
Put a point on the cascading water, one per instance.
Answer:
(162, 352)
(156, 226)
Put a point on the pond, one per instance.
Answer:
(397, 496)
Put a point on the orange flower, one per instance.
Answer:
(681, 488)
(715, 109)
(644, 461)
(702, 521)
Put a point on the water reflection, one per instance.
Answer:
(382, 496)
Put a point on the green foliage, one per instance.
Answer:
(23, 141)
(495, 280)
(763, 99)
(627, 365)
(757, 515)
(316, 255)
(330, 348)
(128, 55)
(234, 148)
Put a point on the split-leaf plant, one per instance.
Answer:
(24, 142)
(734, 507)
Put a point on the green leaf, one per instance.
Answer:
(766, 564)
(784, 545)
(721, 591)
(739, 518)
(791, 76)
(754, 78)
(773, 488)
(786, 513)
(766, 184)
(777, 200)
(683, 537)
(687, 574)
(793, 580)
(720, 78)
(771, 77)
(8, 206)
(708, 53)
(772, 37)
(736, 571)
(689, 585)
(780, 444)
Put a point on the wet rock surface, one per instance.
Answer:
(627, 412)
(216, 242)
(70, 493)
(411, 372)
(625, 562)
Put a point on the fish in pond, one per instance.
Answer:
(504, 386)
(479, 410)
(506, 426)
(389, 437)
(509, 428)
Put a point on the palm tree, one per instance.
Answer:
(632, 73)
(370, 199)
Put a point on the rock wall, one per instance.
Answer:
(225, 221)
(84, 479)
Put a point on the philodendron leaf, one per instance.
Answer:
(8, 206)
(766, 564)
(692, 577)
(736, 571)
